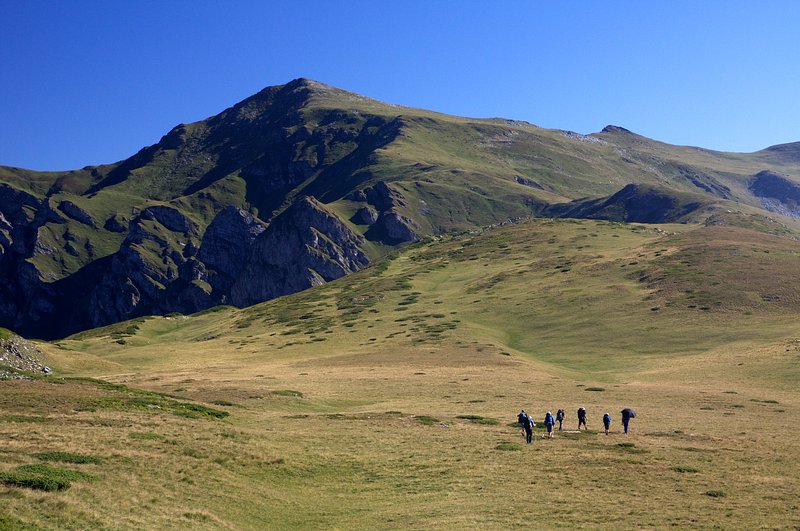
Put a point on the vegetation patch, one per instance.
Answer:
(477, 419)
(684, 470)
(508, 447)
(427, 420)
(67, 457)
(715, 493)
(197, 411)
(146, 436)
(288, 392)
(34, 419)
(43, 477)
(595, 389)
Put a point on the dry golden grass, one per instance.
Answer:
(362, 430)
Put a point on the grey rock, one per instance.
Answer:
(303, 247)
(116, 223)
(77, 213)
(226, 245)
(365, 216)
(170, 217)
(398, 228)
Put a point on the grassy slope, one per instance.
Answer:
(325, 389)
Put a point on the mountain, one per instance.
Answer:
(304, 183)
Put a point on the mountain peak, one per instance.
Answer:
(615, 129)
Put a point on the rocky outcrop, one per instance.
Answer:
(304, 246)
(169, 217)
(226, 246)
(777, 193)
(365, 215)
(398, 228)
(77, 213)
(18, 357)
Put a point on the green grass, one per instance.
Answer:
(43, 477)
(68, 457)
(508, 447)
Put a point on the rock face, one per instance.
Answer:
(226, 247)
(777, 193)
(77, 213)
(303, 247)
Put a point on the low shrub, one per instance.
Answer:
(508, 447)
(67, 457)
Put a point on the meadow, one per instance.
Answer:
(388, 399)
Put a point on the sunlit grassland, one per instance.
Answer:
(387, 399)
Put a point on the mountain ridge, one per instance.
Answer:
(129, 238)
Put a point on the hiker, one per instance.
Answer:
(606, 422)
(549, 422)
(582, 418)
(527, 424)
(627, 415)
(560, 414)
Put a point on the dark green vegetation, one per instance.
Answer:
(335, 180)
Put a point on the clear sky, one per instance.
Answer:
(87, 82)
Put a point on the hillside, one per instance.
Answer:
(303, 183)
(388, 397)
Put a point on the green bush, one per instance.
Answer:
(43, 477)
(66, 457)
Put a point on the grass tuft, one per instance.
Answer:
(67, 457)
(685, 469)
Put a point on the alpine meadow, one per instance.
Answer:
(315, 310)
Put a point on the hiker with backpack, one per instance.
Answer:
(549, 422)
(560, 416)
(527, 424)
(582, 418)
(627, 415)
(606, 422)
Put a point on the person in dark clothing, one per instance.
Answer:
(582, 418)
(526, 422)
(606, 422)
(627, 415)
(549, 422)
(560, 415)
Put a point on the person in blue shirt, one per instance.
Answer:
(549, 422)
(606, 422)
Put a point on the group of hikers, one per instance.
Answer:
(527, 424)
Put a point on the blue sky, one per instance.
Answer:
(89, 82)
